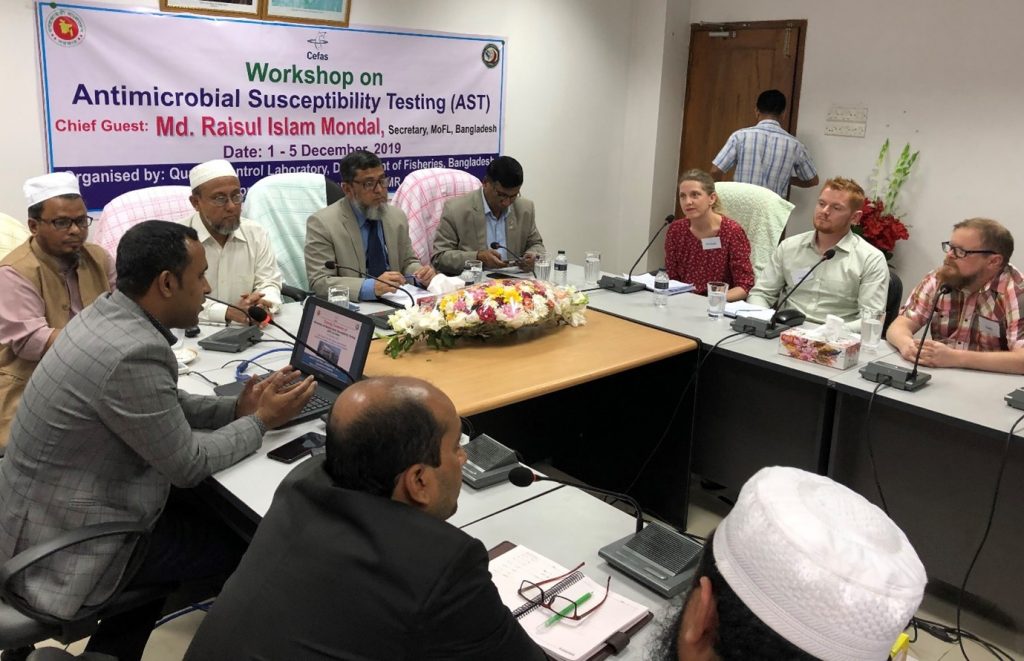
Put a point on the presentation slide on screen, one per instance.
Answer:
(335, 336)
(135, 98)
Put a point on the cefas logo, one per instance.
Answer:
(65, 28)
(490, 56)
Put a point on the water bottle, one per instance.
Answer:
(561, 269)
(661, 289)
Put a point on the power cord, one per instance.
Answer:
(948, 634)
(867, 441)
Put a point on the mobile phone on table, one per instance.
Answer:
(298, 448)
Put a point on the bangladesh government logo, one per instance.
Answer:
(491, 56)
(65, 28)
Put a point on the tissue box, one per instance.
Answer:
(807, 344)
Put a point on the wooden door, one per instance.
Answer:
(730, 64)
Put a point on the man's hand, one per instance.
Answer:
(425, 275)
(281, 397)
(394, 280)
(249, 398)
(937, 354)
(526, 263)
(256, 298)
(244, 301)
(491, 259)
(908, 349)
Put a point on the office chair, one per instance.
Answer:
(893, 300)
(13, 233)
(125, 211)
(22, 626)
(761, 212)
(422, 195)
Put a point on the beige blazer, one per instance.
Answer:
(463, 231)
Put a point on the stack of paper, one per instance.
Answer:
(566, 639)
(398, 299)
(674, 286)
(744, 309)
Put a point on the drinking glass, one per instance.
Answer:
(871, 328)
(592, 266)
(542, 268)
(338, 295)
(716, 299)
(476, 267)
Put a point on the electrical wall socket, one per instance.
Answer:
(847, 114)
(846, 129)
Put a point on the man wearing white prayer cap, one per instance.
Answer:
(44, 282)
(801, 568)
(242, 265)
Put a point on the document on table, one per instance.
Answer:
(566, 639)
(398, 299)
(674, 286)
(744, 309)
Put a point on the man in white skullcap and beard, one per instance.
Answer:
(45, 282)
(242, 265)
(801, 568)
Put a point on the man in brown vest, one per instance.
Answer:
(45, 282)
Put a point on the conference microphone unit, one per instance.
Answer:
(233, 338)
(259, 315)
(774, 326)
(334, 266)
(626, 285)
(655, 556)
(900, 377)
(519, 258)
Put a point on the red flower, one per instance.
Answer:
(880, 229)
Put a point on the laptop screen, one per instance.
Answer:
(341, 335)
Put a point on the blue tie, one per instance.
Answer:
(376, 261)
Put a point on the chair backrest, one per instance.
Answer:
(761, 212)
(13, 233)
(422, 196)
(282, 203)
(125, 211)
(893, 300)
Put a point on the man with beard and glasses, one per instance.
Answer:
(362, 233)
(242, 264)
(45, 282)
(802, 568)
(978, 325)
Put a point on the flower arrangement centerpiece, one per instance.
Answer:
(491, 309)
(880, 223)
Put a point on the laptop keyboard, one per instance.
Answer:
(664, 547)
(315, 403)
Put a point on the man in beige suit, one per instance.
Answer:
(362, 233)
(495, 214)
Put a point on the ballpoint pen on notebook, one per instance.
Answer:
(559, 615)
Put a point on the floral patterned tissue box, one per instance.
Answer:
(809, 345)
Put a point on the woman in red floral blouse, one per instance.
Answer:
(705, 246)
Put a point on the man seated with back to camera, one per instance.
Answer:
(103, 433)
(856, 277)
(362, 233)
(354, 560)
(978, 325)
(802, 568)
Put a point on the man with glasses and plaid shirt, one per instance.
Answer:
(978, 325)
(362, 233)
(45, 282)
(242, 266)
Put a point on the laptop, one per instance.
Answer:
(341, 335)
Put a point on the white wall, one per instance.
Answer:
(594, 109)
(946, 77)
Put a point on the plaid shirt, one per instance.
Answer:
(765, 155)
(987, 320)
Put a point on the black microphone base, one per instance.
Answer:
(619, 285)
(758, 327)
(894, 375)
(1015, 399)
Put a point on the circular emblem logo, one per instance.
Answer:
(65, 28)
(491, 56)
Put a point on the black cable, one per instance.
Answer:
(251, 362)
(270, 339)
(675, 411)
(467, 425)
(204, 378)
(984, 537)
(867, 441)
(948, 634)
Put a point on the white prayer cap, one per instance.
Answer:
(820, 565)
(50, 185)
(204, 172)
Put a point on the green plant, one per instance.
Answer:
(889, 190)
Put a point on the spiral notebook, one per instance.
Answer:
(607, 630)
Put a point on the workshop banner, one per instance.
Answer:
(135, 98)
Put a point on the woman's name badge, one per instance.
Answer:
(712, 243)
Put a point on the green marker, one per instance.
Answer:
(568, 609)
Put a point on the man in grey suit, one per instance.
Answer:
(102, 434)
(362, 233)
(497, 214)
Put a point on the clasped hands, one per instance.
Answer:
(933, 354)
(244, 302)
(492, 259)
(275, 398)
(394, 280)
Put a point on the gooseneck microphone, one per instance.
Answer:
(334, 266)
(771, 329)
(497, 246)
(259, 315)
(900, 377)
(235, 307)
(524, 477)
(627, 286)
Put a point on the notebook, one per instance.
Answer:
(617, 619)
(674, 286)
